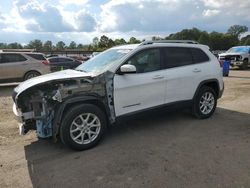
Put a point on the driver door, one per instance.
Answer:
(141, 90)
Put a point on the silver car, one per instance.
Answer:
(19, 66)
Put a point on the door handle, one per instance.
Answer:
(197, 70)
(158, 77)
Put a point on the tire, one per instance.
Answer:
(208, 96)
(79, 135)
(244, 66)
(31, 74)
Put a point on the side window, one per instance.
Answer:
(53, 60)
(64, 60)
(37, 56)
(11, 58)
(177, 56)
(199, 56)
(146, 61)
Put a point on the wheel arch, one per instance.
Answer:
(29, 72)
(62, 108)
(212, 83)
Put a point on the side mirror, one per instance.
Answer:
(127, 69)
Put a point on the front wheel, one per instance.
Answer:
(83, 127)
(205, 103)
(244, 66)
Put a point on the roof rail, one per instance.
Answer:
(169, 41)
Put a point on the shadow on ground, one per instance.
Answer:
(155, 150)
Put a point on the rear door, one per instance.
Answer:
(13, 65)
(184, 72)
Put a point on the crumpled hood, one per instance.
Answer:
(60, 75)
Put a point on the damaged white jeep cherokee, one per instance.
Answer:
(77, 105)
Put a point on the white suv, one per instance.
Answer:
(77, 105)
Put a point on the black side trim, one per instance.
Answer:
(206, 82)
(169, 106)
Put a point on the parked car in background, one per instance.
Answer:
(238, 55)
(62, 63)
(81, 58)
(19, 66)
(77, 105)
(95, 54)
(51, 55)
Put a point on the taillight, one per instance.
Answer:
(45, 62)
(221, 63)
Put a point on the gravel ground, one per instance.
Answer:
(165, 149)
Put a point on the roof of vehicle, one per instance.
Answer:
(57, 57)
(184, 43)
(21, 53)
(127, 46)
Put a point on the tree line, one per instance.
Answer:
(215, 40)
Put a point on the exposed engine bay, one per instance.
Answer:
(41, 107)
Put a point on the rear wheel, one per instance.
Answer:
(244, 65)
(31, 74)
(83, 127)
(205, 103)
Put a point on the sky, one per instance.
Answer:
(82, 20)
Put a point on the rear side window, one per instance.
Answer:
(37, 56)
(64, 60)
(177, 56)
(198, 55)
(11, 58)
(53, 60)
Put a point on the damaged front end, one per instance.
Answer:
(35, 110)
(41, 106)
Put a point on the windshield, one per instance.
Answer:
(240, 49)
(103, 60)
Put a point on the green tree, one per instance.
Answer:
(104, 42)
(236, 30)
(247, 42)
(80, 46)
(204, 39)
(133, 40)
(120, 41)
(3, 45)
(95, 42)
(72, 45)
(244, 40)
(111, 43)
(186, 34)
(48, 46)
(216, 41)
(35, 44)
(154, 38)
(14, 45)
(60, 45)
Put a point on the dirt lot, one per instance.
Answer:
(160, 150)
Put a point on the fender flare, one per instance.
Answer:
(206, 82)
